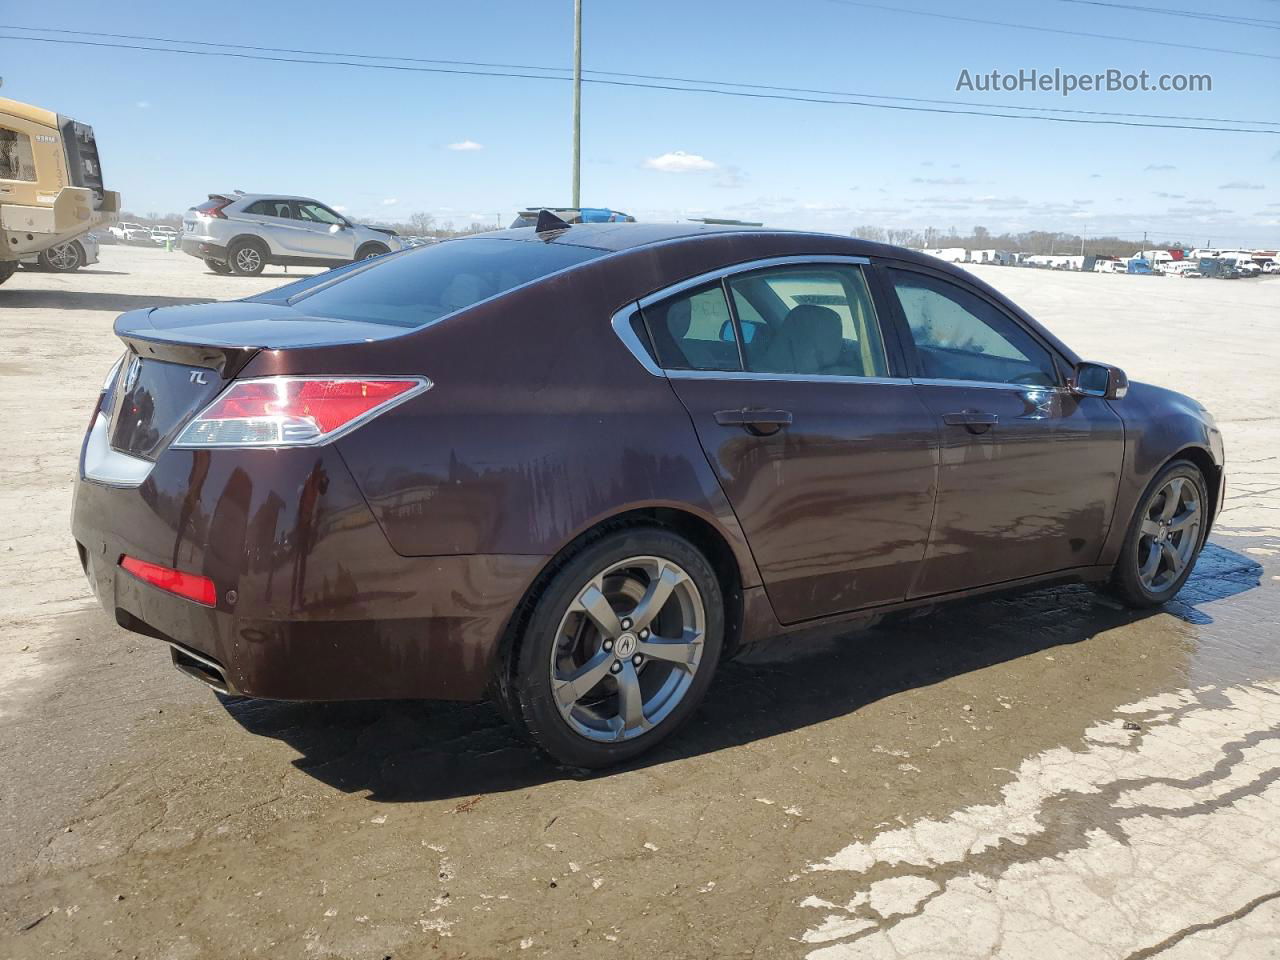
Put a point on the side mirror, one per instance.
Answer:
(334, 228)
(1099, 380)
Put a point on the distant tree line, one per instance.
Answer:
(1032, 241)
(418, 224)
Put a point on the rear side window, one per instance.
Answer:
(811, 320)
(213, 203)
(16, 161)
(271, 208)
(694, 331)
(416, 287)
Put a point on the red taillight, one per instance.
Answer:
(295, 411)
(189, 585)
(216, 211)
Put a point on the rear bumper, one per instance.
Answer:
(204, 249)
(312, 602)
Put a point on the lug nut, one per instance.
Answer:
(616, 668)
(608, 645)
(637, 660)
(644, 634)
(626, 623)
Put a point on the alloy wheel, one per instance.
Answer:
(627, 649)
(64, 257)
(248, 260)
(1169, 533)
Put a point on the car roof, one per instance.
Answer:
(250, 197)
(620, 237)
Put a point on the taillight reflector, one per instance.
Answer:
(189, 585)
(294, 411)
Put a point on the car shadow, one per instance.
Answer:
(75, 300)
(409, 751)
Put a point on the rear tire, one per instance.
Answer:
(217, 266)
(246, 258)
(600, 672)
(7, 269)
(1165, 537)
(64, 258)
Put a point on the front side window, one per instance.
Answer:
(16, 160)
(959, 336)
(693, 331)
(815, 320)
(413, 288)
(317, 214)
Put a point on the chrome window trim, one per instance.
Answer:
(782, 377)
(989, 385)
(105, 465)
(748, 267)
(621, 322)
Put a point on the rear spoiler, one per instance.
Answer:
(141, 337)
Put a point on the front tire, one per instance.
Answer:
(370, 250)
(1165, 537)
(64, 258)
(618, 650)
(246, 259)
(217, 266)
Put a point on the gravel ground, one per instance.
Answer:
(1030, 777)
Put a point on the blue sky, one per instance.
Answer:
(382, 144)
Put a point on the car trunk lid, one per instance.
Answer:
(180, 358)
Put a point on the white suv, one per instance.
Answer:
(243, 232)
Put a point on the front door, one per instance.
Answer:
(826, 455)
(1028, 470)
(324, 233)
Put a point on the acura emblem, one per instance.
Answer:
(131, 374)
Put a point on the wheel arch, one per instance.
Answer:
(250, 238)
(1211, 470)
(698, 530)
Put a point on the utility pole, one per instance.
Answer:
(577, 103)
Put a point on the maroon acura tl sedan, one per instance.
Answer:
(571, 468)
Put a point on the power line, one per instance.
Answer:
(1038, 29)
(644, 76)
(642, 86)
(1191, 14)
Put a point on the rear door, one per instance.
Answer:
(274, 222)
(1029, 471)
(819, 441)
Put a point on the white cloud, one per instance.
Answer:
(143, 104)
(677, 161)
(1241, 185)
(466, 146)
(390, 202)
(340, 208)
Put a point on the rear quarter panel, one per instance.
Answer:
(540, 423)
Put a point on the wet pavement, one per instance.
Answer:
(1042, 775)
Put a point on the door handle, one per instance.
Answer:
(762, 423)
(972, 420)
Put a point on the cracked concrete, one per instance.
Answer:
(960, 785)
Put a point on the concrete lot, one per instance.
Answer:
(1034, 777)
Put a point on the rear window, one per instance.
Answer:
(416, 287)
